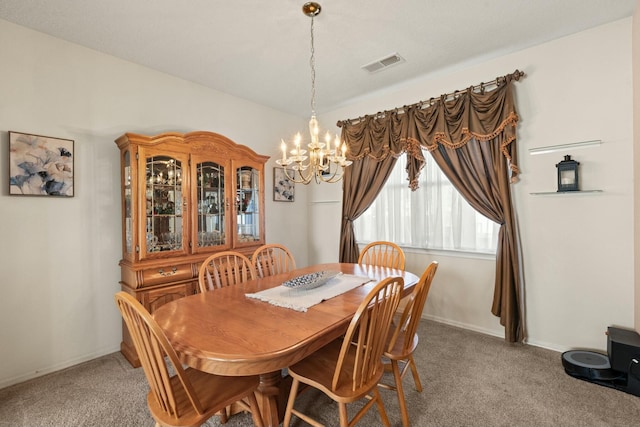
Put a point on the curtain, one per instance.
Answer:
(363, 180)
(373, 148)
(472, 137)
(479, 172)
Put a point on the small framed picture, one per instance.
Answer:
(283, 188)
(40, 165)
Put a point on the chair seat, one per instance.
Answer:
(399, 351)
(209, 388)
(317, 370)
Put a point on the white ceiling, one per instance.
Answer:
(259, 50)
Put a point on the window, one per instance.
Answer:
(434, 216)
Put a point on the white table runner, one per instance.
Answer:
(301, 299)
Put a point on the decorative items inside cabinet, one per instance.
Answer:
(211, 206)
(163, 205)
(127, 202)
(248, 205)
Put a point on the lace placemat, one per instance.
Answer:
(302, 299)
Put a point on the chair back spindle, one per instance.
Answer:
(224, 269)
(272, 259)
(382, 254)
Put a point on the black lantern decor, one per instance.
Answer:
(568, 175)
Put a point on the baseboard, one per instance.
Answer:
(466, 326)
(6, 382)
(490, 332)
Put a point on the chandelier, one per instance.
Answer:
(324, 164)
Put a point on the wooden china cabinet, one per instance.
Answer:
(184, 197)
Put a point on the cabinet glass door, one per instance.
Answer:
(164, 225)
(128, 200)
(211, 218)
(247, 204)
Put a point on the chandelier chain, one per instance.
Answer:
(312, 63)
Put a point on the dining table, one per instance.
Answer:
(227, 332)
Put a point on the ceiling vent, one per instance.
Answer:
(383, 63)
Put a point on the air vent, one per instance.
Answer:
(382, 63)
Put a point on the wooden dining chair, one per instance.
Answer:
(382, 254)
(224, 269)
(189, 397)
(350, 368)
(272, 259)
(403, 340)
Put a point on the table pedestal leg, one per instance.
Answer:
(272, 395)
(268, 395)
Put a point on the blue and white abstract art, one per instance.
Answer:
(40, 165)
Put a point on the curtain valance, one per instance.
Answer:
(451, 121)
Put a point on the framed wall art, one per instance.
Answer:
(283, 188)
(40, 165)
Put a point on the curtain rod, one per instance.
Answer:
(481, 88)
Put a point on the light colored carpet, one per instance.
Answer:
(469, 379)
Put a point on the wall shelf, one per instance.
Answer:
(315, 202)
(564, 193)
(562, 147)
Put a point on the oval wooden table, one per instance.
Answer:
(224, 332)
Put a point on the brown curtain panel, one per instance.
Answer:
(472, 137)
(363, 180)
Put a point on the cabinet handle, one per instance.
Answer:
(173, 271)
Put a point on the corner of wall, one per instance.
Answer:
(635, 64)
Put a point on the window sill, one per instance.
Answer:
(450, 253)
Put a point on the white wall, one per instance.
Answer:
(59, 257)
(578, 250)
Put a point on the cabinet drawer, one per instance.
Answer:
(166, 273)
